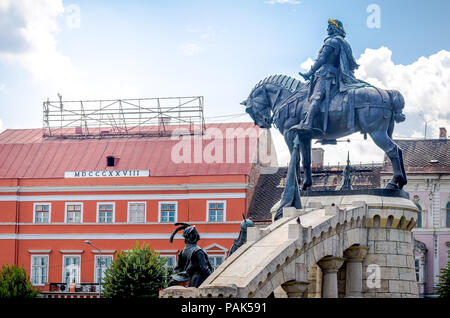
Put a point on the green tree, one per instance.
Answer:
(14, 283)
(137, 273)
(443, 287)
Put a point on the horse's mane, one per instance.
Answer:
(284, 81)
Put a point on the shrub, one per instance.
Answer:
(14, 283)
(443, 287)
(137, 273)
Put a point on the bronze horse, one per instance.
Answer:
(281, 100)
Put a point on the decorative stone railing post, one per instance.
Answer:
(354, 256)
(330, 267)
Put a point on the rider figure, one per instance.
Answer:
(327, 75)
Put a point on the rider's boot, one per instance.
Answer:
(306, 125)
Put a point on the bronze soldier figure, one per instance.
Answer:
(193, 264)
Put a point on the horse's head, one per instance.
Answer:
(258, 107)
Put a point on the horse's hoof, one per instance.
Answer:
(391, 186)
(401, 182)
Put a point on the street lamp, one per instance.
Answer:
(101, 265)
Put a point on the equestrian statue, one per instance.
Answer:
(331, 104)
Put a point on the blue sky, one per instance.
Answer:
(218, 49)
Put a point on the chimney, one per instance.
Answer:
(317, 158)
(442, 133)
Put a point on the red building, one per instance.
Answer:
(56, 193)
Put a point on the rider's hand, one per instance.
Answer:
(306, 76)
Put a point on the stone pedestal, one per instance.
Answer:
(330, 267)
(296, 289)
(353, 275)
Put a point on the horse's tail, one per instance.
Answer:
(398, 103)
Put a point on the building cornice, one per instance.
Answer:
(124, 197)
(116, 188)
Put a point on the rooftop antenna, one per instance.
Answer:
(61, 111)
(426, 125)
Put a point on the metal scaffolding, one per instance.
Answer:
(142, 117)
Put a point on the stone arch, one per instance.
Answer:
(402, 223)
(364, 222)
(376, 221)
(346, 225)
(358, 221)
(331, 231)
(390, 221)
(352, 238)
(411, 224)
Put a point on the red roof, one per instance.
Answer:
(24, 153)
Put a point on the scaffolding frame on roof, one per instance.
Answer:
(139, 117)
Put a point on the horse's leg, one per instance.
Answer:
(404, 180)
(382, 140)
(305, 148)
(289, 137)
(400, 154)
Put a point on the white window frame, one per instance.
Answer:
(32, 271)
(224, 210)
(114, 212)
(64, 268)
(176, 211)
(145, 212)
(49, 212)
(96, 257)
(65, 214)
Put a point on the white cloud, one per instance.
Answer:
(306, 65)
(73, 16)
(424, 85)
(190, 49)
(281, 148)
(2, 88)
(28, 37)
(283, 2)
